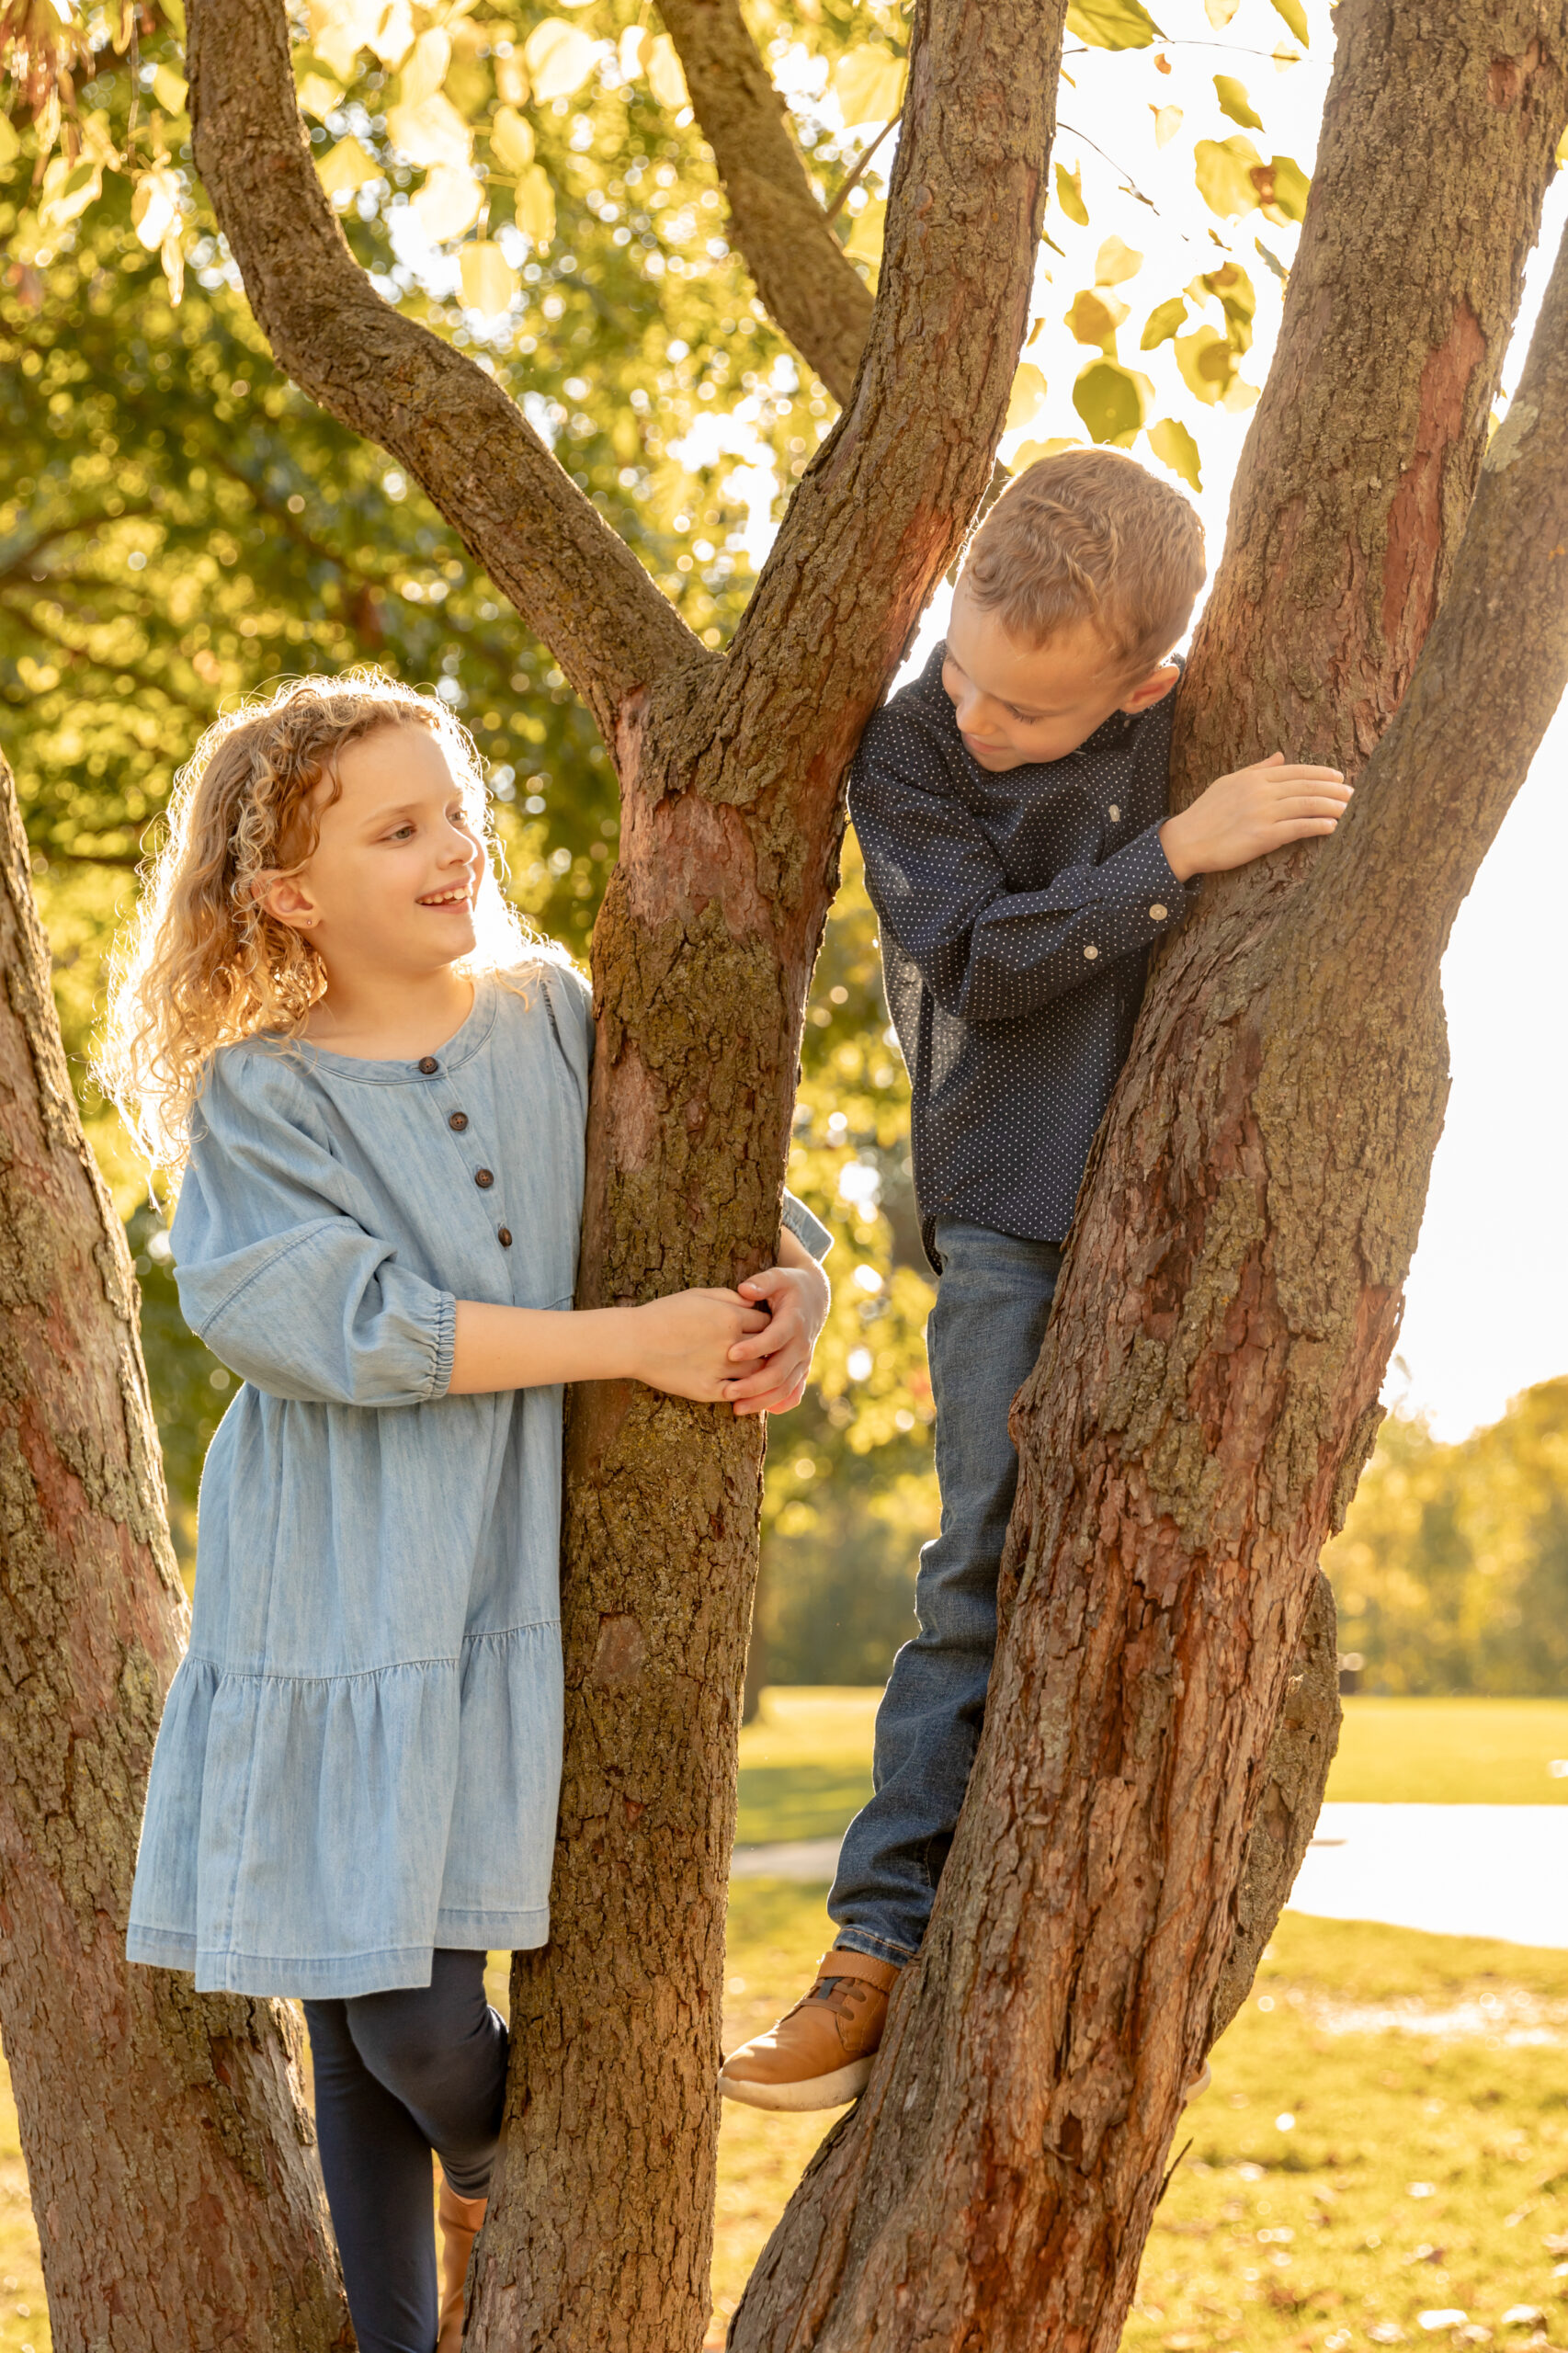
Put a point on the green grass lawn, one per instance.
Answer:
(1386, 2138)
(806, 1763)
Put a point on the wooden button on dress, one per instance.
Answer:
(430, 1065)
(483, 1178)
(457, 1121)
(504, 1237)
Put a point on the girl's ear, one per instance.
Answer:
(288, 899)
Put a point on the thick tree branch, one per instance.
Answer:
(1489, 678)
(883, 507)
(573, 580)
(1347, 511)
(810, 287)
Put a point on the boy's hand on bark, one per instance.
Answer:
(781, 1355)
(1257, 810)
(683, 1343)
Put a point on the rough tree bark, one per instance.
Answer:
(817, 298)
(167, 2146)
(732, 773)
(1207, 1391)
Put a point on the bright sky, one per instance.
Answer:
(1487, 1312)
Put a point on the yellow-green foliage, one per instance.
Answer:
(1452, 1572)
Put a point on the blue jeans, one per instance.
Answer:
(993, 1302)
(398, 2074)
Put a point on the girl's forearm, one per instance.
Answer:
(536, 1348)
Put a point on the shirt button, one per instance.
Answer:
(483, 1178)
(1158, 912)
(430, 1065)
(457, 1121)
(1091, 951)
(504, 1237)
(1115, 814)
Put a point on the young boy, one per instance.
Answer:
(1011, 806)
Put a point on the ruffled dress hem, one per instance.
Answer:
(340, 1978)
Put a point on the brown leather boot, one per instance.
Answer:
(460, 2219)
(820, 2053)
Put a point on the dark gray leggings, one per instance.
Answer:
(398, 2074)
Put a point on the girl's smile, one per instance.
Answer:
(398, 838)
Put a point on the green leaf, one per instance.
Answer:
(867, 82)
(1029, 453)
(1112, 401)
(1234, 102)
(1224, 171)
(1114, 263)
(1094, 318)
(1174, 447)
(347, 167)
(1163, 321)
(1288, 198)
(1207, 363)
(1027, 396)
(1113, 24)
(1295, 16)
(536, 206)
(1070, 195)
(865, 238)
(1238, 296)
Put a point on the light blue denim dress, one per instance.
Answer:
(359, 1757)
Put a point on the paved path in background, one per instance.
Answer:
(1456, 1870)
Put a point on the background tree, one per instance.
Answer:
(1452, 1570)
(182, 2205)
(603, 2270)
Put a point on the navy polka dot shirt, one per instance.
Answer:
(1017, 912)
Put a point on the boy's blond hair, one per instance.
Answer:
(204, 962)
(1088, 536)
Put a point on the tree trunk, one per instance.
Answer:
(812, 291)
(602, 2227)
(1207, 1392)
(167, 2148)
(732, 773)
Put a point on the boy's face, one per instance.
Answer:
(1017, 703)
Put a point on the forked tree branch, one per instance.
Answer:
(884, 508)
(808, 285)
(573, 580)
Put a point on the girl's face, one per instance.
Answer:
(390, 885)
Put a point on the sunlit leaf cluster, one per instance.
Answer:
(179, 526)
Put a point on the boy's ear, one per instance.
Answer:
(286, 898)
(1154, 688)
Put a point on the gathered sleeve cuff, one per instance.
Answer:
(278, 1276)
(807, 1229)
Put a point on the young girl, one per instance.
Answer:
(376, 1087)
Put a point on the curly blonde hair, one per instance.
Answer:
(203, 962)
